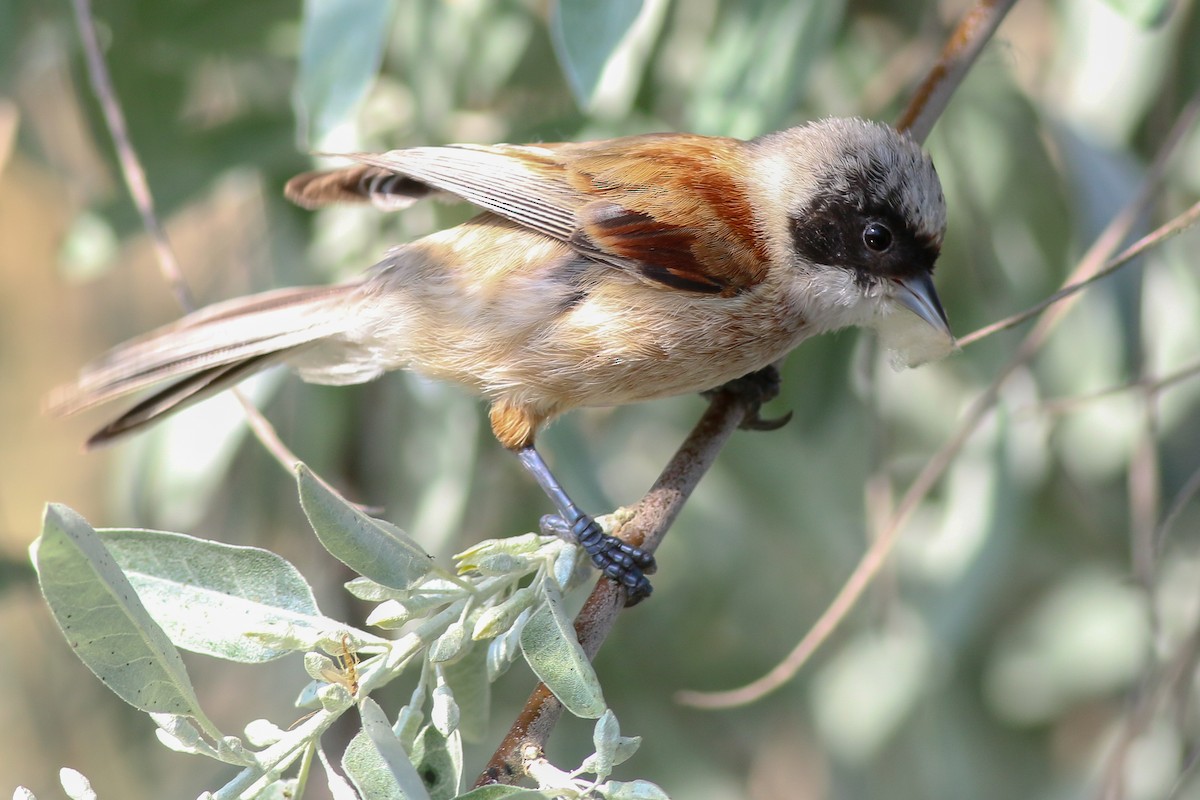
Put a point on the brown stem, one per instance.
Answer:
(929, 100)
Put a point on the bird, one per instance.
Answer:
(595, 274)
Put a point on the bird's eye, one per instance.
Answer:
(877, 237)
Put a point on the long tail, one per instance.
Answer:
(207, 351)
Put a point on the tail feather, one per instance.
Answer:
(381, 187)
(208, 350)
(179, 396)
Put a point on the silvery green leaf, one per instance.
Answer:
(231, 750)
(371, 547)
(504, 648)
(585, 35)
(104, 621)
(75, 784)
(499, 791)
(409, 720)
(369, 590)
(631, 790)
(468, 679)
(368, 772)
(342, 44)
(178, 733)
(521, 545)
(389, 615)
(396, 612)
(239, 603)
(502, 564)
(376, 762)
(611, 747)
(566, 564)
(263, 733)
(284, 789)
(500, 617)
(443, 714)
(451, 645)
(438, 759)
(554, 654)
(339, 787)
(334, 697)
(318, 665)
(309, 696)
(1146, 13)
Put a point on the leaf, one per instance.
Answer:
(1146, 13)
(586, 33)
(368, 772)
(342, 43)
(556, 657)
(468, 679)
(443, 712)
(103, 620)
(631, 790)
(499, 618)
(76, 786)
(378, 762)
(238, 603)
(451, 645)
(371, 547)
(501, 792)
(438, 760)
(611, 747)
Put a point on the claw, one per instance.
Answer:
(620, 561)
(757, 388)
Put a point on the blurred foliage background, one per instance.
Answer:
(1035, 634)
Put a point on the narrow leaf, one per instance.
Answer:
(631, 790)
(468, 679)
(341, 50)
(371, 547)
(438, 759)
(586, 33)
(556, 657)
(1146, 13)
(103, 620)
(499, 791)
(391, 756)
(239, 603)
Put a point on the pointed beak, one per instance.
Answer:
(918, 296)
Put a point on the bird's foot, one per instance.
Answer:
(757, 388)
(624, 563)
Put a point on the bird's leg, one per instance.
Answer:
(621, 561)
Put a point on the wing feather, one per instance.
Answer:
(670, 207)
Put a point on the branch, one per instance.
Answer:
(139, 190)
(929, 100)
(727, 410)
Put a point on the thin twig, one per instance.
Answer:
(139, 190)
(1065, 405)
(852, 590)
(1169, 229)
(1185, 496)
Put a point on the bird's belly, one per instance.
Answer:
(638, 347)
